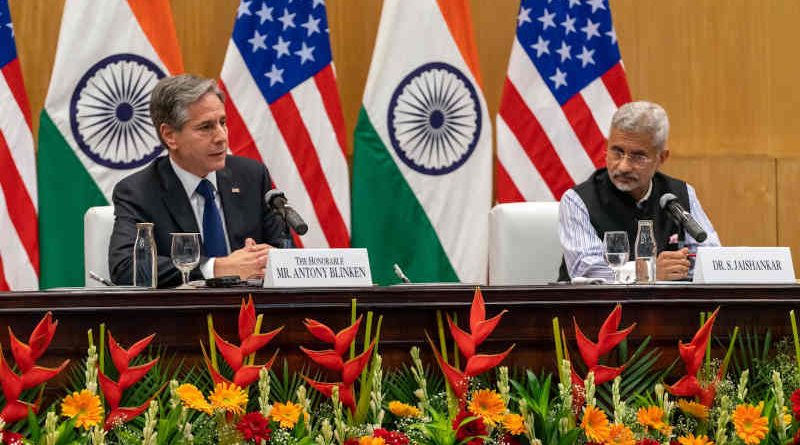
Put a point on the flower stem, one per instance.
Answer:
(557, 338)
(212, 345)
(796, 339)
(352, 320)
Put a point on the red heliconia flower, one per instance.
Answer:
(254, 427)
(795, 398)
(128, 376)
(647, 441)
(332, 359)
(31, 376)
(351, 441)
(391, 437)
(692, 356)
(468, 342)
(250, 342)
(473, 428)
(608, 338)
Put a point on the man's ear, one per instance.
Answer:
(663, 154)
(168, 135)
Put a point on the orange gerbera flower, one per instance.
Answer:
(488, 405)
(286, 414)
(595, 424)
(401, 409)
(369, 440)
(84, 407)
(620, 434)
(750, 425)
(228, 397)
(694, 409)
(514, 424)
(192, 398)
(652, 417)
(692, 440)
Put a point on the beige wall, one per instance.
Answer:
(727, 73)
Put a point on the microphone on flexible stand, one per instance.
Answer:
(277, 201)
(669, 203)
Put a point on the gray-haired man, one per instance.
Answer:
(197, 188)
(615, 198)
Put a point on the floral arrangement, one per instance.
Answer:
(606, 394)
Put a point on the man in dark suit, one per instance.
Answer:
(197, 188)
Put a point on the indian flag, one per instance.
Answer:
(422, 177)
(95, 128)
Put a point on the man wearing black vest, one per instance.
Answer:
(626, 191)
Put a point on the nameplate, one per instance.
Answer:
(317, 268)
(753, 265)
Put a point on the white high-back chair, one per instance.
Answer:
(98, 223)
(523, 243)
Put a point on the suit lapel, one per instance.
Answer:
(175, 198)
(231, 203)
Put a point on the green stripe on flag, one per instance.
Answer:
(388, 219)
(66, 191)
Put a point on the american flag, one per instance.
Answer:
(19, 239)
(565, 80)
(284, 110)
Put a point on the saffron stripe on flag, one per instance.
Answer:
(240, 141)
(582, 121)
(519, 166)
(617, 86)
(24, 211)
(532, 137)
(326, 84)
(507, 191)
(295, 134)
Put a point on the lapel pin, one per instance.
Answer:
(235, 190)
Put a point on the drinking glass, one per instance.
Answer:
(617, 249)
(185, 254)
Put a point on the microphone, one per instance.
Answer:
(675, 210)
(276, 200)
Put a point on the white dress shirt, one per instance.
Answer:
(190, 181)
(584, 253)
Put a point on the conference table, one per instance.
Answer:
(666, 313)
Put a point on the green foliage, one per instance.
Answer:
(400, 384)
(537, 393)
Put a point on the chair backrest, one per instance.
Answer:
(523, 243)
(98, 223)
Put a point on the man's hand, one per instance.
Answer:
(672, 265)
(247, 262)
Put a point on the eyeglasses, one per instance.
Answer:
(637, 159)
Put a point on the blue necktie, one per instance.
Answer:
(213, 233)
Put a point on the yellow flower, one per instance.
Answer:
(401, 409)
(694, 409)
(514, 424)
(750, 425)
(192, 398)
(595, 424)
(369, 440)
(286, 413)
(692, 440)
(489, 405)
(652, 417)
(84, 407)
(787, 418)
(620, 434)
(228, 397)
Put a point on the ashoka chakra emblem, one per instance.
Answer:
(434, 119)
(109, 112)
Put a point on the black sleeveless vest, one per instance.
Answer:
(612, 209)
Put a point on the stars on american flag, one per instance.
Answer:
(283, 42)
(565, 40)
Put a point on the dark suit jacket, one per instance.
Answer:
(155, 194)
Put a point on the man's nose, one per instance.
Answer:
(220, 132)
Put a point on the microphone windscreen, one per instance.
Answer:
(665, 199)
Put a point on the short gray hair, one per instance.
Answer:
(174, 94)
(643, 117)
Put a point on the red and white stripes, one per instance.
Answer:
(300, 137)
(544, 148)
(19, 245)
